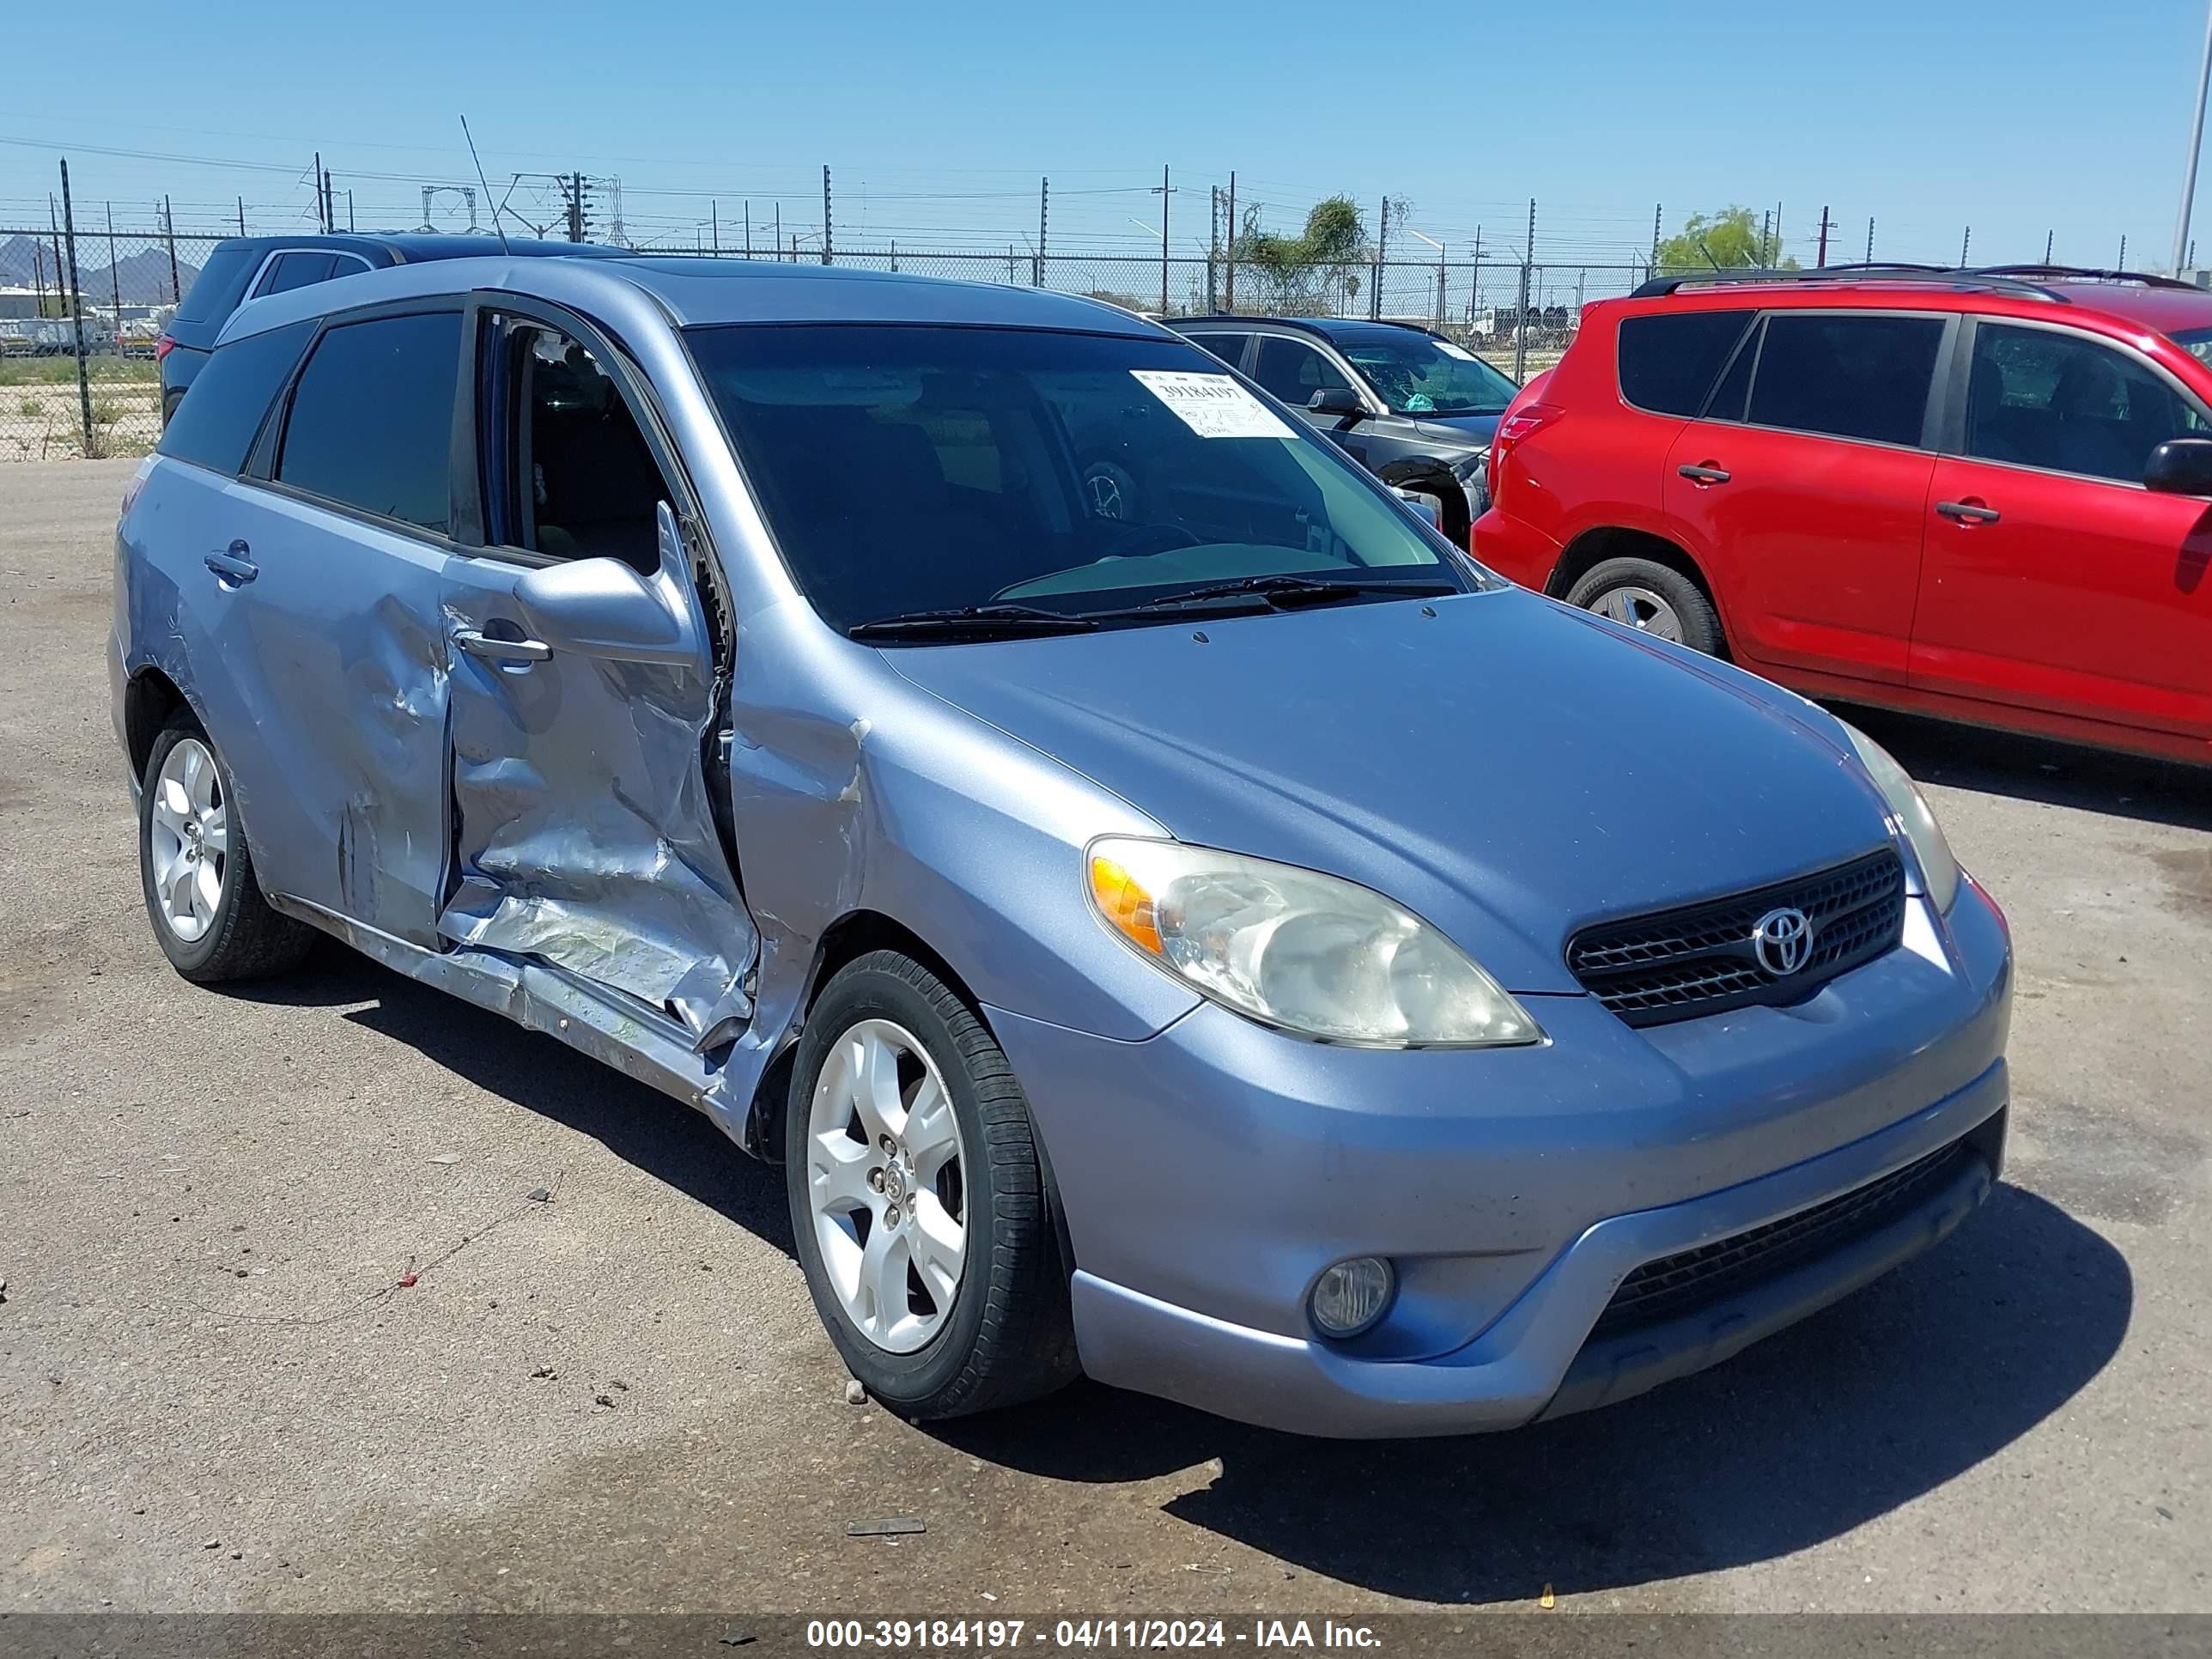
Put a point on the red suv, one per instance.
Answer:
(1976, 494)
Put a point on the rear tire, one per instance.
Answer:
(1004, 1334)
(196, 872)
(1651, 598)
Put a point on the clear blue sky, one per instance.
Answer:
(2017, 117)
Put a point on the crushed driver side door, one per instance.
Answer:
(587, 678)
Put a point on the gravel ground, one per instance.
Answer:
(216, 1396)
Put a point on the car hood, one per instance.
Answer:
(1505, 767)
(1473, 430)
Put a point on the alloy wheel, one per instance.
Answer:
(885, 1169)
(188, 840)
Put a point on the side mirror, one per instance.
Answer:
(2180, 466)
(603, 608)
(1340, 401)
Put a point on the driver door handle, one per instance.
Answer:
(492, 648)
(1967, 511)
(1704, 475)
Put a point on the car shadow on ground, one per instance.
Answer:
(639, 1125)
(2036, 769)
(1860, 1410)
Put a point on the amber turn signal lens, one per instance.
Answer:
(1124, 903)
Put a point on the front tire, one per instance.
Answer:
(918, 1201)
(1653, 598)
(195, 873)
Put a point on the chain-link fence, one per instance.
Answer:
(63, 395)
(67, 393)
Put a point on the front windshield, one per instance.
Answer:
(1420, 375)
(908, 469)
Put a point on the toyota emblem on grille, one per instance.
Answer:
(1782, 941)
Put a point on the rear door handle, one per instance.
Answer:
(1704, 475)
(1967, 511)
(232, 568)
(492, 648)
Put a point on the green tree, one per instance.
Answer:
(1291, 269)
(1731, 237)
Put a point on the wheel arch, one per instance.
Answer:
(1431, 477)
(852, 936)
(1593, 547)
(150, 700)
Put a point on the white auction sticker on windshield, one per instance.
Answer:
(1212, 405)
(1458, 352)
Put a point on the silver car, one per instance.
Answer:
(1235, 946)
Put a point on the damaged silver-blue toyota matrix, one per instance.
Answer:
(1204, 932)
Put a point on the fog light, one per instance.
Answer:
(1352, 1296)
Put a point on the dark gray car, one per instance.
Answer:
(1411, 406)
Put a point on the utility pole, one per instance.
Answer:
(2050, 240)
(242, 216)
(1651, 269)
(1520, 322)
(1869, 241)
(1166, 190)
(1765, 237)
(1821, 259)
(169, 231)
(1965, 242)
(748, 226)
(825, 213)
(1382, 252)
(76, 310)
(114, 277)
(1044, 212)
(330, 203)
(714, 222)
(1229, 296)
(2196, 143)
(779, 234)
(2123, 265)
(348, 207)
(61, 270)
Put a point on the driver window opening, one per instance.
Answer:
(585, 483)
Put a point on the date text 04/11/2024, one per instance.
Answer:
(1005, 1635)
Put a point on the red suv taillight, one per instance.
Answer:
(1519, 424)
(163, 347)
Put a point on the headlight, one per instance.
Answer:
(1296, 949)
(1938, 868)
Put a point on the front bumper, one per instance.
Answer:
(1209, 1174)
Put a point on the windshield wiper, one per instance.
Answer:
(1288, 593)
(974, 621)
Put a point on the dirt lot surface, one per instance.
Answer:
(215, 1395)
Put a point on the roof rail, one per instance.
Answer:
(2148, 279)
(1995, 278)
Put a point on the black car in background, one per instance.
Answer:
(242, 268)
(1413, 407)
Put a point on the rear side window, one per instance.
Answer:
(215, 424)
(372, 418)
(214, 294)
(299, 269)
(1669, 361)
(1850, 377)
(1230, 347)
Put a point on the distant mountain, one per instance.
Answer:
(143, 278)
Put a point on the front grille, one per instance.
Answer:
(1700, 959)
(1678, 1284)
